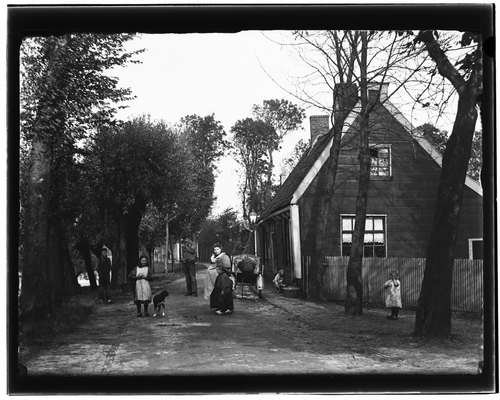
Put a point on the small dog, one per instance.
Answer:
(159, 303)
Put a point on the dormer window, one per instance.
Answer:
(380, 157)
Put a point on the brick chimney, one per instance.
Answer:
(374, 87)
(319, 125)
(345, 97)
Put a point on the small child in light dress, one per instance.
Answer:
(279, 280)
(393, 295)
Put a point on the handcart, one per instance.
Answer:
(249, 273)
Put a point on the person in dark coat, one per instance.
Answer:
(189, 266)
(104, 269)
(221, 298)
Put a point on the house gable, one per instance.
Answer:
(283, 198)
(415, 133)
(407, 197)
(312, 162)
(320, 161)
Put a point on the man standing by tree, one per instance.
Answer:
(103, 269)
(189, 266)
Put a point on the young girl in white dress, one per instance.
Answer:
(142, 293)
(393, 295)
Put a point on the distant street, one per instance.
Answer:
(269, 335)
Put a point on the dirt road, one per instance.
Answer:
(272, 335)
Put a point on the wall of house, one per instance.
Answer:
(407, 198)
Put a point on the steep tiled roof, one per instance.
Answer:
(284, 195)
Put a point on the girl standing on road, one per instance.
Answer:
(393, 295)
(142, 293)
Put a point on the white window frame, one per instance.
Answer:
(471, 256)
(367, 215)
(389, 146)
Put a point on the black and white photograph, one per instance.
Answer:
(233, 200)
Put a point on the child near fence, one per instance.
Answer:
(279, 280)
(393, 295)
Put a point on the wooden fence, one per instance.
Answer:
(466, 291)
(159, 267)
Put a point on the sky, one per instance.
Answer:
(223, 74)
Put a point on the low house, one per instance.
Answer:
(404, 177)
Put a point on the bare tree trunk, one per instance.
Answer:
(36, 297)
(115, 267)
(54, 275)
(119, 268)
(433, 316)
(269, 184)
(83, 247)
(133, 220)
(171, 251)
(124, 268)
(244, 198)
(345, 98)
(151, 258)
(69, 282)
(354, 292)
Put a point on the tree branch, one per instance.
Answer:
(445, 68)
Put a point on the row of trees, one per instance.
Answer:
(88, 179)
(64, 95)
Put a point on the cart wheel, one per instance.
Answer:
(260, 294)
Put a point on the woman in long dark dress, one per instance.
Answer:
(221, 298)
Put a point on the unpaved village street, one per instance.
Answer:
(270, 335)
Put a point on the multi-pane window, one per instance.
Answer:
(374, 243)
(380, 157)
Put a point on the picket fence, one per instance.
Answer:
(466, 291)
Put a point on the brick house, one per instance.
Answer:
(405, 168)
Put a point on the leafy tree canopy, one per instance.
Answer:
(71, 72)
(205, 137)
(203, 143)
(439, 139)
(296, 154)
(252, 140)
(137, 162)
(282, 115)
